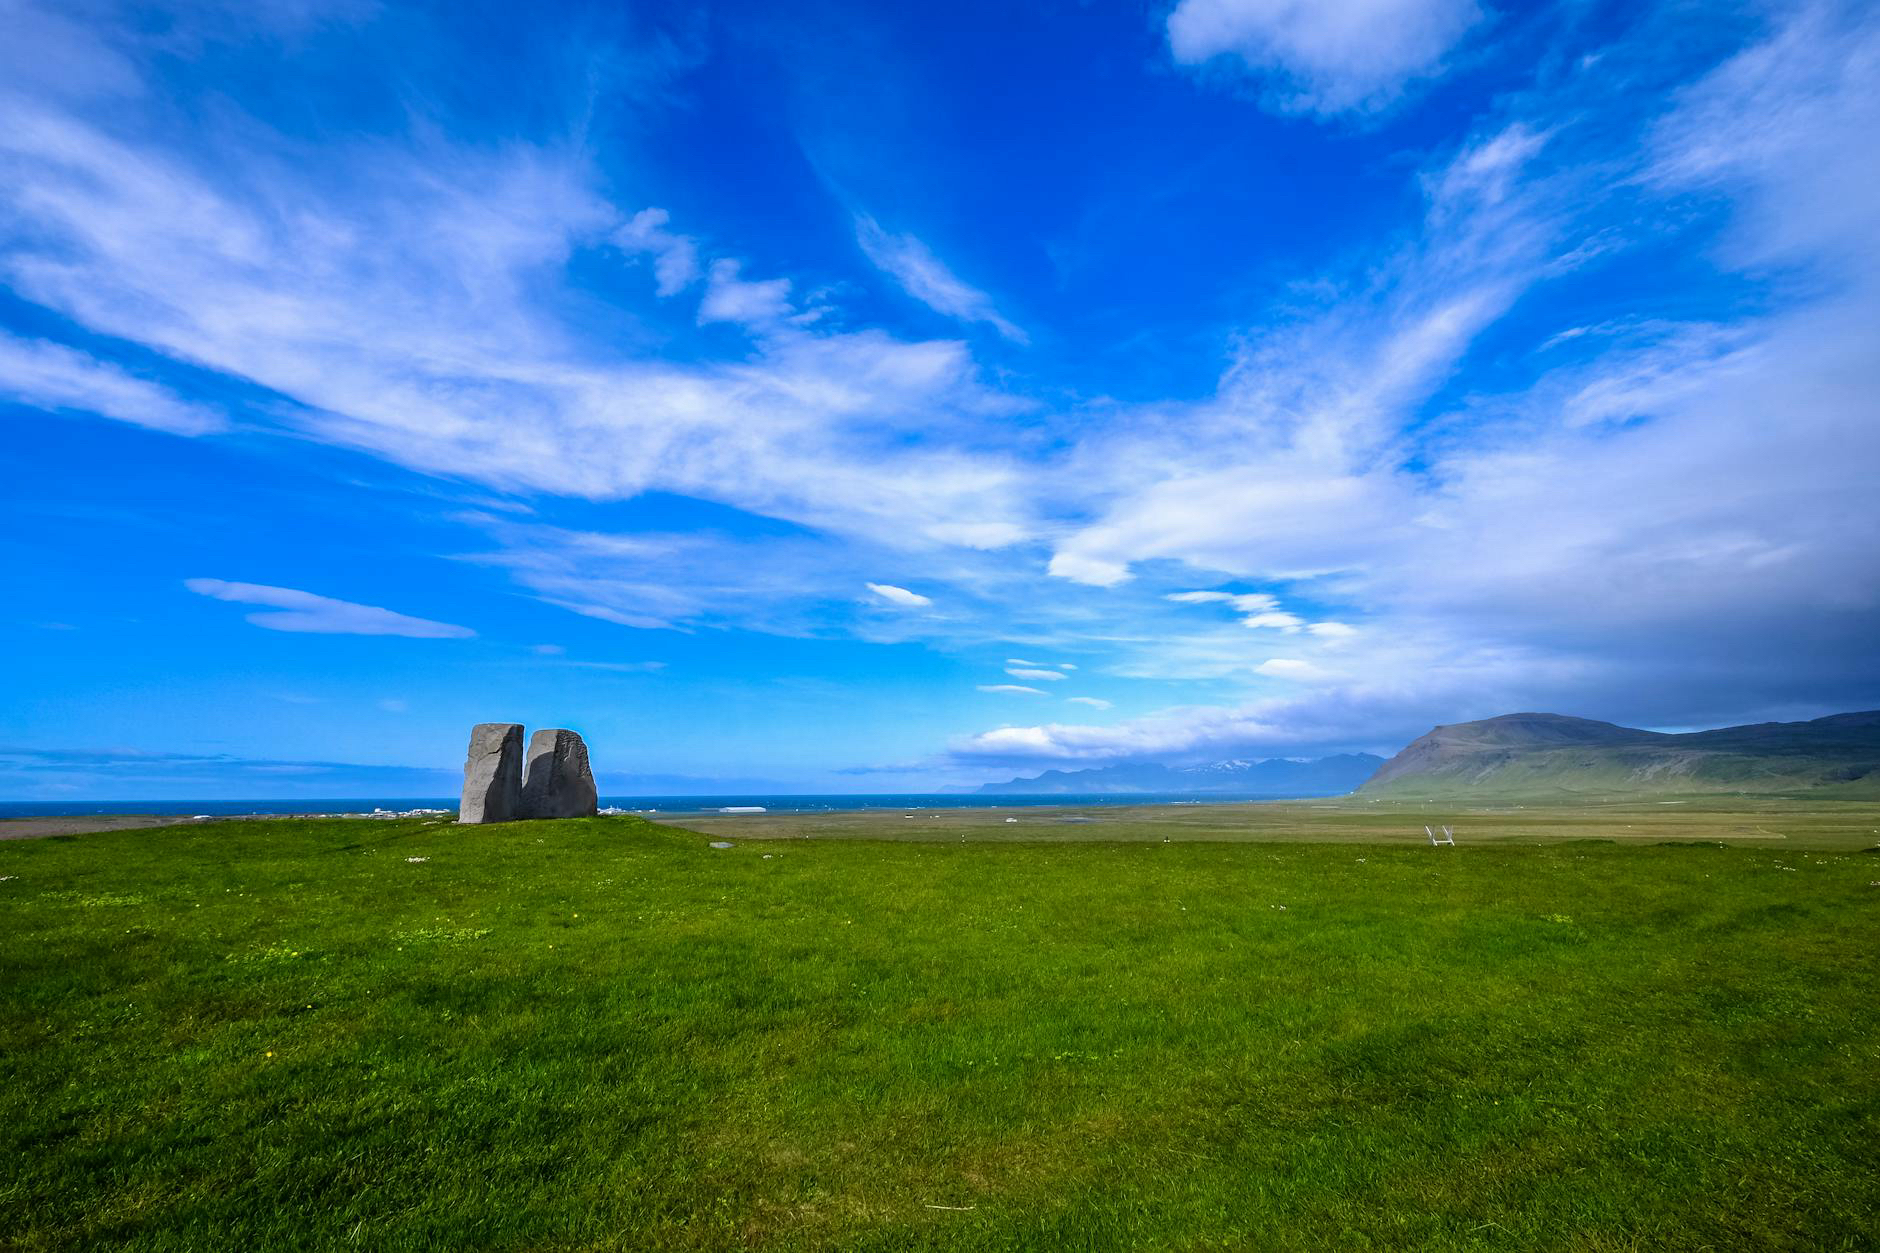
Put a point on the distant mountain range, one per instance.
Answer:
(1327, 776)
(1550, 755)
(1536, 756)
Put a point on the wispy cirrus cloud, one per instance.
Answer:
(926, 278)
(291, 610)
(46, 375)
(312, 279)
(1301, 451)
(1242, 602)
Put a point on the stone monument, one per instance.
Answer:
(492, 774)
(557, 781)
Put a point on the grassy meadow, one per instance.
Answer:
(1768, 821)
(1050, 1034)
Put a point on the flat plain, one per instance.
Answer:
(1775, 821)
(1290, 1027)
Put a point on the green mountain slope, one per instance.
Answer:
(1551, 755)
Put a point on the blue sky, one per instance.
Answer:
(867, 397)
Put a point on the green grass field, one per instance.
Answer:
(604, 1034)
(1769, 821)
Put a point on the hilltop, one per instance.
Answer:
(1542, 754)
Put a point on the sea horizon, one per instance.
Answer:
(701, 803)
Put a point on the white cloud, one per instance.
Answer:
(1026, 672)
(1023, 742)
(1289, 668)
(795, 585)
(309, 279)
(1533, 550)
(671, 580)
(1383, 715)
(1261, 609)
(1174, 732)
(1091, 701)
(1327, 56)
(392, 705)
(926, 278)
(51, 376)
(1010, 687)
(986, 535)
(1243, 602)
(547, 650)
(1294, 470)
(900, 596)
(729, 298)
(1096, 571)
(292, 610)
(675, 257)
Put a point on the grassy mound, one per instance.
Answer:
(605, 1034)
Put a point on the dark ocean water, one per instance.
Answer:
(636, 804)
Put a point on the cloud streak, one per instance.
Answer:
(51, 376)
(900, 597)
(304, 612)
(1045, 676)
(926, 278)
(313, 280)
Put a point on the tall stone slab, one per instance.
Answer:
(557, 782)
(492, 774)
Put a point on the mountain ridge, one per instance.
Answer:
(1549, 754)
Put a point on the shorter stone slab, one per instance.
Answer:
(492, 774)
(557, 781)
